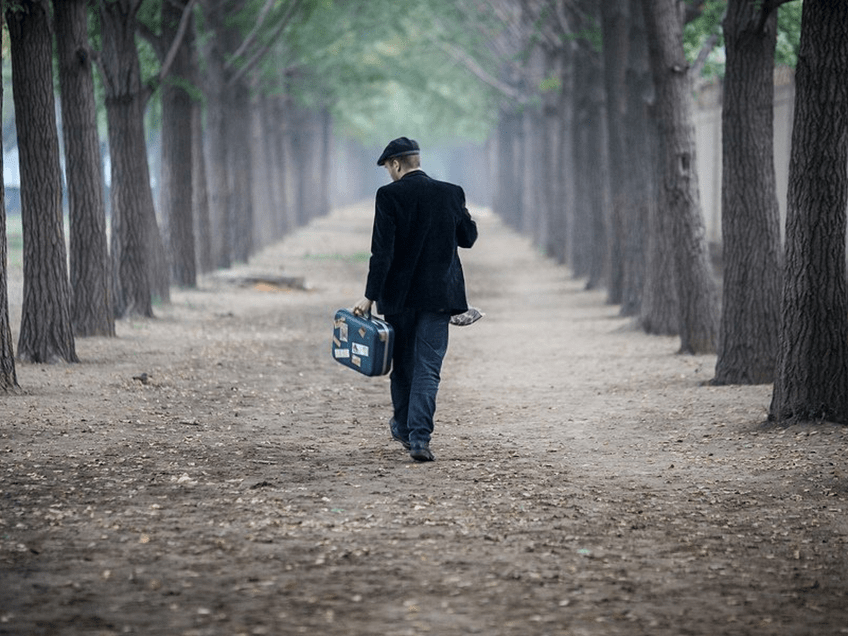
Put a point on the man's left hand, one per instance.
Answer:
(363, 307)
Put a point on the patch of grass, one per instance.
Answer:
(356, 257)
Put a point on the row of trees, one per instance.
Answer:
(596, 159)
(592, 153)
(245, 97)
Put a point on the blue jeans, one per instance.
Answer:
(421, 341)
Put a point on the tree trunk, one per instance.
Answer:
(590, 236)
(200, 192)
(46, 333)
(562, 223)
(551, 227)
(237, 124)
(134, 245)
(812, 369)
(176, 170)
(274, 125)
(91, 301)
(750, 216)
(678, 189)
(8, 377)
(217, 157)
(614, 21)
(509, 160)
(638, 158)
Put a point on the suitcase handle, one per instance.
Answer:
(367, 316)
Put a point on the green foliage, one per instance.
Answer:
(788, 33)
(552, 83)
(383, 68)
(698, 31)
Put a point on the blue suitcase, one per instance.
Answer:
(363, 344)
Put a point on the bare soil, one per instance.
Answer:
(214, 471)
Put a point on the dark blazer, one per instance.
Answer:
(418, 224)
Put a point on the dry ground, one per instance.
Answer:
(586, 482)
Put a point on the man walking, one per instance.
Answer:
(416, 279)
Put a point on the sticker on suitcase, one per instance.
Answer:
(359, 349)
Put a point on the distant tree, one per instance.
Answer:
(590, 152)
(200, 193)
(46, 334)
(812, 367)
(91, 307)
(179, 77)
(639, 151)
(678, 195)
(747, 346)
(615, 19)
(8, 378)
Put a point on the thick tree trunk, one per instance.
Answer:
(91, 301)
(138, 263)
(177, 166)
(812, 369)
(678, 190)
(8, 377)
(46, 333)
(748, 344)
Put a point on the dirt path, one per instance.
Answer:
(586, 481)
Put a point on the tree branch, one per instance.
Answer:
(179, 36)
(252, 35)
(258, 55)
(478, 71)
(768, 7)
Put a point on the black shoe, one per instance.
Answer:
(396, 436)
(421, 453)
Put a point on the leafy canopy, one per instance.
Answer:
(385, 67)
(698, 32)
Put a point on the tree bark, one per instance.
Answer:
(638, 156)
(46, 333)
(237, 124)
(678, 189)
(91, 301)
(589, 239)
(200, 192)
(614, 22)
(214, 52)
(176, 170)
(748, 343)
(812, 368)
(8, 377)
(133, 243)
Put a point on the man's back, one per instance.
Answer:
(419, 223)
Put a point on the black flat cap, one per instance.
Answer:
(399, 147)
